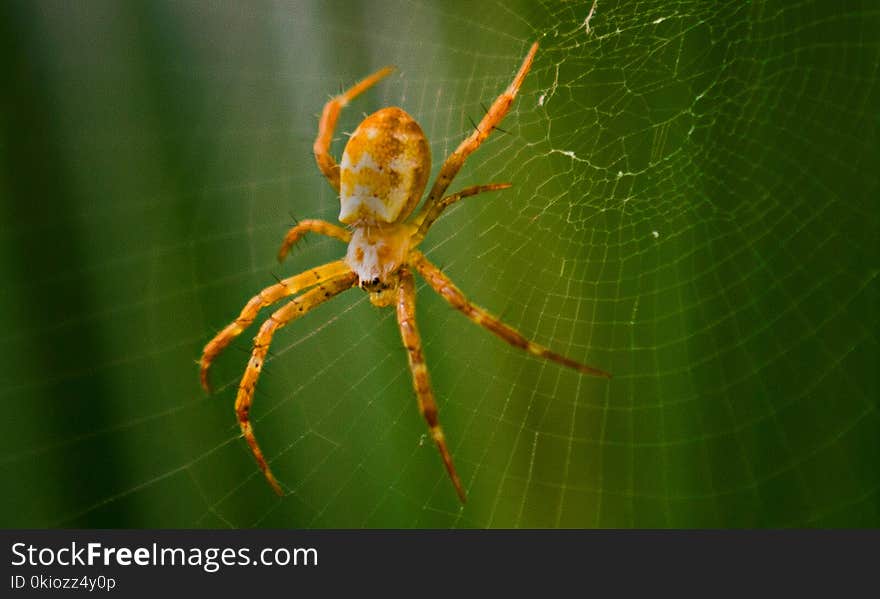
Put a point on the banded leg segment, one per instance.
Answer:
(321, 227)
(444, 286)
(490, 120)
(431, 212)
(409, 333)
(266, 297)
(281, 317)
(329, 116)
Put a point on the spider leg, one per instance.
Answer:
(406, 320)
(264, 298)
(426, 217)
(281, 317)
(444, 286)
(490, 120)
(321, 227)
(327, 124)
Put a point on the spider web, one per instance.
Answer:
(694, 209)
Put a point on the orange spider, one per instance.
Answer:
(384, 170)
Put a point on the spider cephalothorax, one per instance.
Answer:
(375, 253)
(380, 179)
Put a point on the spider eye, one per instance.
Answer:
(375, 281)
(384, 168)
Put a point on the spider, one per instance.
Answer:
(380, 180)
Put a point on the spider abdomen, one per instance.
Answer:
(384, 169)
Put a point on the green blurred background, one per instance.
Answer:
(695, 208)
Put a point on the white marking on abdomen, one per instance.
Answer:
(366, 161)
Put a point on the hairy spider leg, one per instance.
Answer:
(444, 286)
(311, 225)
(490, 120)
(429, 214)
(409, 333)
(266, 297)
(281, 317)
(330, 115)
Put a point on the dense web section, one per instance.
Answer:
(694, 209)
